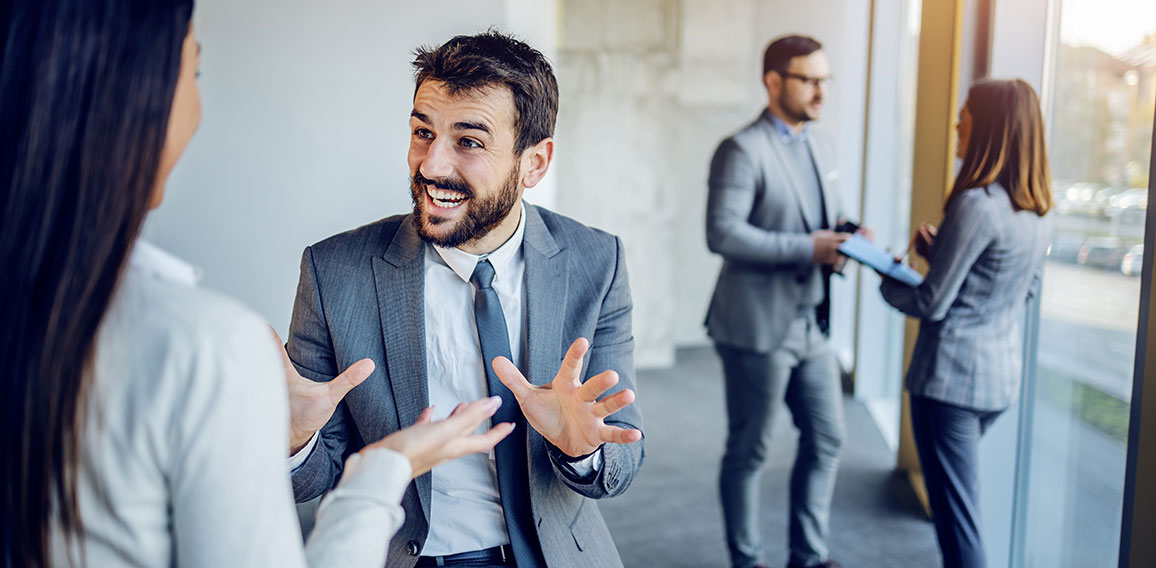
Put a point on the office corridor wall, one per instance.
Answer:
(648, 89)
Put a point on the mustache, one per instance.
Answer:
(449, 184)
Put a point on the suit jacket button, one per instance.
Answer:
(411, 548)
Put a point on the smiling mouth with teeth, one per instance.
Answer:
(444, 198)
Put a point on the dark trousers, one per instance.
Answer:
(947, 439)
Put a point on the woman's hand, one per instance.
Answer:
(427, 444)
(921, 240)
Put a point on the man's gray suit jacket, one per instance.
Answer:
(361, 295)
(757, 220)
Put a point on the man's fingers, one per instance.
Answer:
(613, 403)
(426, 416)
(598, 384)
(571, 368)
(510, 376)
(616, 435)
(351, 377)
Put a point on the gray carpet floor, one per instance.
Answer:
(671, 517)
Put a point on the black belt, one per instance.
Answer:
(497, 555)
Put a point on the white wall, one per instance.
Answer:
(305, 130)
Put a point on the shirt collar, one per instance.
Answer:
(155, 261)
(463, 263)
(788, 134)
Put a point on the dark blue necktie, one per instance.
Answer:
(510, 454)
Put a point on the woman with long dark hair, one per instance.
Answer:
(985, 259)
(145, 422)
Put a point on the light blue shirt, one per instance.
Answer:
(788, 134)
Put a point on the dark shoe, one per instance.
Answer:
(826, 564)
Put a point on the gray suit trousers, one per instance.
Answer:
(803, 372)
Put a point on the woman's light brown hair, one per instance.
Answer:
(1007, 145)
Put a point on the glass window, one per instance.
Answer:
(886, 205)
(1101, 119)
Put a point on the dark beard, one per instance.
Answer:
(482, 215)
(797, 114)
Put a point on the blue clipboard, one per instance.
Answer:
(880, 260)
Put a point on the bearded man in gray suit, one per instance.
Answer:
(772, 213)
(451, 301)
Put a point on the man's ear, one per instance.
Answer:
(536, 161)
(773, 82)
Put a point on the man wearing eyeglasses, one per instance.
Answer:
(772, 214)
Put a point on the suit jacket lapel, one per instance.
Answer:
(775, 143)
(830, 206)
(547, 268)
(400, 279)
(547, 276)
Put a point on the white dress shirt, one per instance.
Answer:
(465, 508)
(182, 457)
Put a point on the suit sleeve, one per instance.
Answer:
(966, 231)
(611, 348)
(311, 351)
(733, 184)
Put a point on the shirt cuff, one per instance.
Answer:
(298, 459)
(583, 469)
(380, 473)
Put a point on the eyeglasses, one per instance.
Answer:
(815, 82)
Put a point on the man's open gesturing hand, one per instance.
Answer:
(567, 411)
(312, 403)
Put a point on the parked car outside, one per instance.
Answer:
(1102, 252)
(1078, 199)
(1133, 262)
(1131, 206)
(1065, 248)
(1102, 203)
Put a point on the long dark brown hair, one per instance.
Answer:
(1007, 145)
(86, 88)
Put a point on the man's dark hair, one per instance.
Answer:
(473, 63)
(779, 54)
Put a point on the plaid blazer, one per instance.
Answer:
(986, 260)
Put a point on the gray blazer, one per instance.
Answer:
(361, 295)
(986, 260)
(757, 220)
